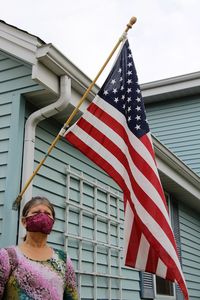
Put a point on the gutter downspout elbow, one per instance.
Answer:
(30, 128)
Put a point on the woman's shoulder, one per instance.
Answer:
(7, 257)
(6, 250)
(3, 253)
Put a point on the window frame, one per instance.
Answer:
(163, 297)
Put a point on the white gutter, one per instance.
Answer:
(164, 89)
(30, 128)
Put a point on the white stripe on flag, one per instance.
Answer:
(128, 224)
(161, 269)
(142, 255)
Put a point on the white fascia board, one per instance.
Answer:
(176, 86)
(53, 59)
(18, 43)
(23, 46)
(45, 77)
(48, 63)
(40, 73)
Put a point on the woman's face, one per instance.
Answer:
(39, 219)
(40, 208)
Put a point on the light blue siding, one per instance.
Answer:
(176, 124)
(190, 246)
(14, 75)
(15, 79)
(10, 161)
(5, 116)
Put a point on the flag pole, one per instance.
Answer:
(66, 124)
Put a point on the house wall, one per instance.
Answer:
(190, 248)
(15, 80)
(176, 123)
(167, 121)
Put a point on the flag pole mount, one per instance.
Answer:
(17, 201)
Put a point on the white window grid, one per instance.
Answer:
(97, 216)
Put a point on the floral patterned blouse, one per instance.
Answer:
(26, 279)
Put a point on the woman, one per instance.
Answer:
(33, 270)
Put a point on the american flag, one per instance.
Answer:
(114, 133)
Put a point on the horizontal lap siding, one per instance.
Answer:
(5, 116)
(51, 178)
(51, 182)
(15, 79)
(190, 246)
(177, 125)
(14, 75)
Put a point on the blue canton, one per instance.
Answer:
(121, 89)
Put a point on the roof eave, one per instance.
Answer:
(175, 87)
(48, 63)
(54, 60)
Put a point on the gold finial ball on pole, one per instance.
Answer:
(131, 23)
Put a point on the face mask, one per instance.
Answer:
(40, 222)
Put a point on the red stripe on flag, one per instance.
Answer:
(133, 245)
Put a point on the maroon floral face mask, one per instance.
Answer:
(40, 222)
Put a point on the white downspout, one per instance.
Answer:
(29, 140)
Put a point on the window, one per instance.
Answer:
(164, 287)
